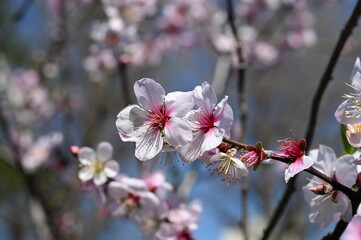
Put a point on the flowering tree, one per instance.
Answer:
(215, 91)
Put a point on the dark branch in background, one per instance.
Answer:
(29, 182)
(124, 82)
(9, 25)
(243, 111)
(326, 78)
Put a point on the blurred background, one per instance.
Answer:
(67, 67)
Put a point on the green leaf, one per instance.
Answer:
(347, 146)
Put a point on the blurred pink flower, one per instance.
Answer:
(97, 165)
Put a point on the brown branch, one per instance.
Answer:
(325, 80)
(243, 112)
(124, 81)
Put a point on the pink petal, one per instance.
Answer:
(299, 165)
(111, 168)
(205, 97)
(150, 164)
(223, 116)
(150, 94)
(177, 132)
(129, 123)
(86, 156)
(178, 104)
(354, 138)
(104, 151)
(211, 140)
(149, 146)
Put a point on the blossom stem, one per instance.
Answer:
(235, 143)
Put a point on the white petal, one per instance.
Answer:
(111, 168)
(356, 75)
(340, 113)
(86, 173)
(205, 97)
(178, 104)
(99, 178)
(149, 146)
(346, 170)
(150, 94)
(223, 116)
(86, 156)
(191, 151)
(104, 151)
(129, 123)
(118, 190)
(211, 140)
(177, 132)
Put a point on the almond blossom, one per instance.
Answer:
(349, 112)
(326, 202)
(157, 121)
(228, 167)
(353, 134)
(97, 165)
(296, 152)
(210, 123)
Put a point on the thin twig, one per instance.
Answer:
(9, 26)
(243, 112)
(325, 80)
(123, 75)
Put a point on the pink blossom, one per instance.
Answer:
(210, 122)
(296, 152)
(132, 198)
(326, 202)
(254, 157)
(349, 112)
(97, 165)
(158, 121)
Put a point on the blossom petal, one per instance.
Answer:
(149, 93)
(111, 168)
(354, 138)
(346, 106)
(205, 97)
(299, 165)
(86, 156)
(191, 151)
(211, 140)
(104, 151)
(118, 190)
(346, 171)
(149, 146)
(177, 132)
(100, 178)
(129, 123)
(178, 104)
(86, 173)
(223, 116)
(356, 75)
(322, 214)
(344, 206)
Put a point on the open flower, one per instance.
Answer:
(210, 123)
(295, 151)
(97, 165)
(349, 112)
(228, 167)
(158, 119)
(325, 202)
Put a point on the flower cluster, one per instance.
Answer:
(150, 202)
(191, 123)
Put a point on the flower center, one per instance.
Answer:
(158, 119)
(205, 120)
